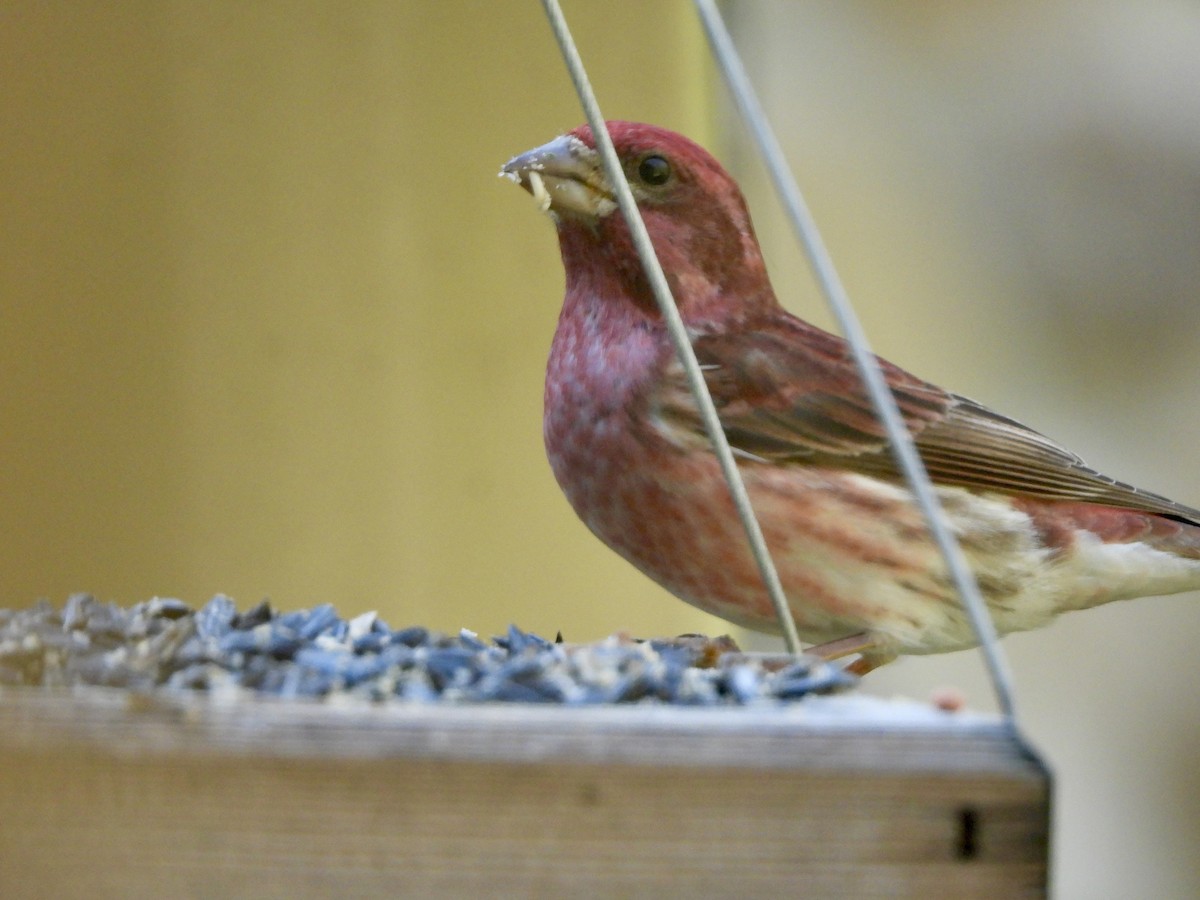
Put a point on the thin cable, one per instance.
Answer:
(881, 396)
(674, 323)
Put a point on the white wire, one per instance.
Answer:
(881, 396)
(674, 323)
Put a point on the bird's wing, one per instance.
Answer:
(789, 393)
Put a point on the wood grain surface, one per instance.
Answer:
(109, 794)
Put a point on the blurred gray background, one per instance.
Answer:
(1012, 194)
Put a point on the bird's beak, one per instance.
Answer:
(565, 177)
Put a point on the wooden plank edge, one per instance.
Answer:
(846, 732)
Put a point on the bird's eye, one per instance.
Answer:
(654, 170)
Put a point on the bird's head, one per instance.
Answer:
(694, 212)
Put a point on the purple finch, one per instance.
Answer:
(1043, 532)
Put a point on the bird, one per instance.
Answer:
(1043, 532)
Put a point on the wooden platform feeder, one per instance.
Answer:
(104, 793)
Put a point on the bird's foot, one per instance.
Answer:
(870, 656)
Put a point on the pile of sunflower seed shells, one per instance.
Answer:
(166, 644)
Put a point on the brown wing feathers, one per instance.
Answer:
(807, 406)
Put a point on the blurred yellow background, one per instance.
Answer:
(270, 325)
